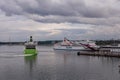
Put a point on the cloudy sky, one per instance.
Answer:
(56, 19)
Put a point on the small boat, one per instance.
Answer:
(30, 47)
(76, 46)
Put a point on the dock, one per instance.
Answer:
(104, 51)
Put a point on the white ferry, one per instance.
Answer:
(76, 46)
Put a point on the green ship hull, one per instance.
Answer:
(30, 51)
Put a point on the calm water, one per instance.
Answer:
(50, 65)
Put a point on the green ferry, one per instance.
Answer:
(30, 47)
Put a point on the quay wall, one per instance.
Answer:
(107, 52)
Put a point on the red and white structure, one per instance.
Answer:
(77, 46)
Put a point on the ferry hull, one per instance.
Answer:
(69, 48)
(30, 51)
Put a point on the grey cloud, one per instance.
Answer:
(48, 7)
(71, 11)
(74, 31)
(10, 7)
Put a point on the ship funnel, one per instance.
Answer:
(31, 40)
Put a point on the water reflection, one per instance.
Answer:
(30, 63)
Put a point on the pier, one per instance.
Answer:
(104, 51)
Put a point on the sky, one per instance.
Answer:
(56, 19)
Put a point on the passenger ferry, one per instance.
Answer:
(76, 45)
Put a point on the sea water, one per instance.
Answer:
(55, 65)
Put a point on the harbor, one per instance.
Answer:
(59, 40)
(50, 65)
(88, 48)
